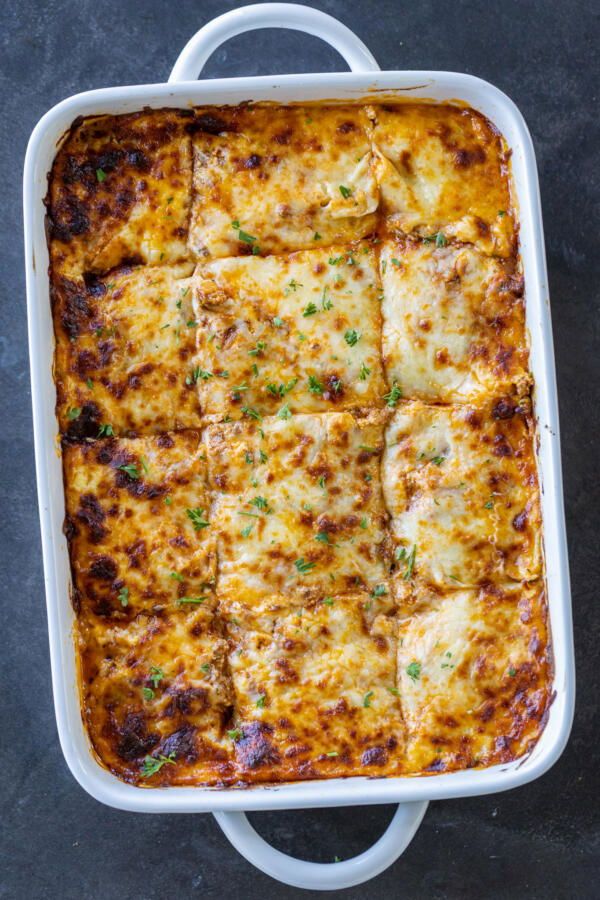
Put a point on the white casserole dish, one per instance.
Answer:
(412, 793)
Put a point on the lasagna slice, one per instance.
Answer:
(137, 525)
(157, 695)
(443, 173)
(120, 191)
(460, 484)
(299, 332)
(314, 687)
(273, 180)
(297, 506)
(453, 322)
(473, 675)
(125, 349)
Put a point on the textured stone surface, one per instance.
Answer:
(538, 841)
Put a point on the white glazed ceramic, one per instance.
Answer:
(413, 794)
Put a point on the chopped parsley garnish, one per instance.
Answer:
(74, 413)
(205, 667)
(176, 576)
(332, 753)
(336, 260)
(396, 262)
(512, 672)
(260, 702)
(251, 413)
(352, 337)
(260, 346)
(89, 383)
(247, 531)
(322, 482)
(316, 236)
(314, 385)
(364, 523)
(244, 236)
(323, 537)
(123, 596)
(438, 238)
(235, 734)
(285, 412)
(489, 504)
(197, 517)
(263, 456)
(345, 191)
(367, 698)
(394, 395)
(197, 373)
(130, 470)
(147, 693)
(364, 372)
(105, 430)
(260, 503)
(438, 460)
(379, 590)
(326, 303)
(501, 213)
(394, 691)
(303, 567)
(280, 390)
(413, 670)
(100, 175)
(277, 321)
(309, 310)
(190, 600)
(328, 601)
(249, 458)
(156, 675)
(293, 285)
(153, 764)
(408, 559)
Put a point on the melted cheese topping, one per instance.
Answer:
(298, 506)
(286, 564)
(443, 169)
(453, 323)
(472, 674)
(125, 352)
(134, 545)
(158, 684)
(120, 190)
(460, 484)
(288, 179)
(301, 331)
(314, 689)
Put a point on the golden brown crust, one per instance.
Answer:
(294, 399)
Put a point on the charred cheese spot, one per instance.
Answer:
(294, 329)
(481, 692)
(301, 676)
(125, 352)
(443, 169)
(120, 190)
(454, 479)
(279, 177)
(131, 550)
(453, 323)
(290, 501)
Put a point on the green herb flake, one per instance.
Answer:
(260, 702)
(196, 516)
(309, 310)
(235, 734)
(413, 670)
(100, 175)
(123, 596)
(314, 385)
(130, 470)
(147, 693)
(251, 413)
(304, 567)
(285, 412)
(74, 413)
(345, 191)
(367, 699)
(316, 236)
(364, 372)
(106, 430)
(156, 675)
(153, 764)
(394, 395)
(352, 337)
(323, 537)
(277, 321)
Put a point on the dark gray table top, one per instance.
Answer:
(538, 841)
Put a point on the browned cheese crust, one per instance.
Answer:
(294, 400)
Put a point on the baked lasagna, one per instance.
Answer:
(294, 400)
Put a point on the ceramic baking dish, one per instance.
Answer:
(412, 793)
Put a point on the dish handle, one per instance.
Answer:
(194, 55)
(324, 876)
